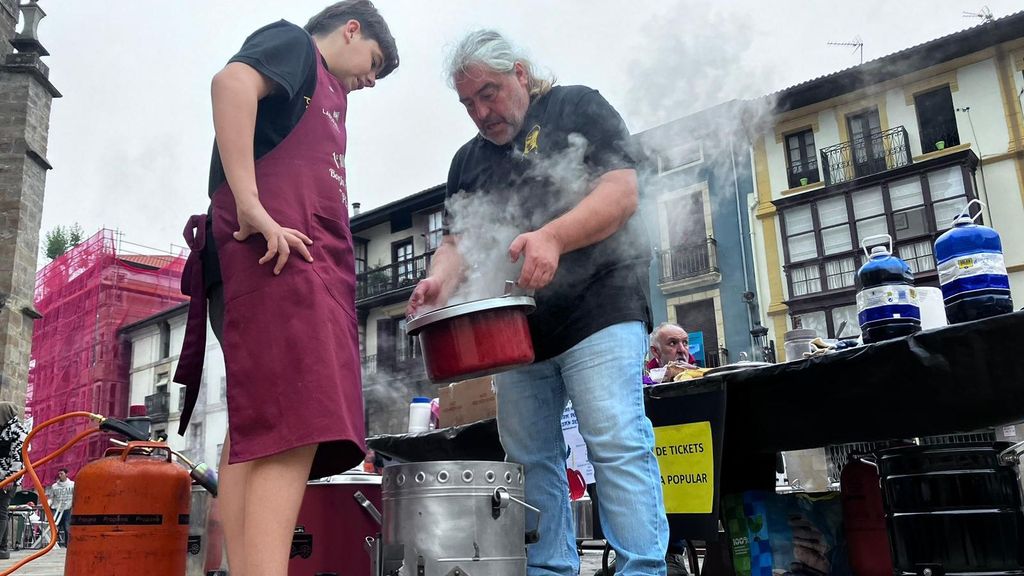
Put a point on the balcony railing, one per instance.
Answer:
(158, 405)
(392, 277)
(369, 364)
(402, 364)
(869, 154)
(716, 358)
(683, 262)
(799, 172)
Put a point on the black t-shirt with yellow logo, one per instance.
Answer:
(570, 137)
(282, 52)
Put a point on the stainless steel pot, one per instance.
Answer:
(583, 514)
(455, 518)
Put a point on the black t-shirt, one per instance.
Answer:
(284, 53)
(570, 137)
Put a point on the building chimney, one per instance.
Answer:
(355, 208)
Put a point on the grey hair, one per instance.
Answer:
(488, 48)
(657, 331)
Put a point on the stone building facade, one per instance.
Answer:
(25, 97)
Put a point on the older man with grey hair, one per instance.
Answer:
(562, 155)
(670, 343)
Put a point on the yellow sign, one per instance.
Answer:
(686, 458)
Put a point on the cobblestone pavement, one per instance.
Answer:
(53, 563)
(50, 565)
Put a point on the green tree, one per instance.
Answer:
(63, 238)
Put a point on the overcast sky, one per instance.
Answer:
(130, 140)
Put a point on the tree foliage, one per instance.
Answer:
(63, 238)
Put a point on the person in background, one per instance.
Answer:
(586, 252)
(12, 437)
(274, 257)
(62, 496)
(670, 343)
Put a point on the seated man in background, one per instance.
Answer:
(670, 343)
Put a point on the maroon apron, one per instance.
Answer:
(291, 345)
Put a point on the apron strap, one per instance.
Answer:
(193, 350)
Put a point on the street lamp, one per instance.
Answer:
(767, 347)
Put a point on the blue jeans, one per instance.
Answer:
(602, 375)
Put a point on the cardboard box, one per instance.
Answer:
(467, 401)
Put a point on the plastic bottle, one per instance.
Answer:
(972, 273)
(887, 304)
(419, 414)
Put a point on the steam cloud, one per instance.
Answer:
(487, 221)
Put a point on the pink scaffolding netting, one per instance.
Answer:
(80, 361)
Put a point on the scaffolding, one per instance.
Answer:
(80, 361)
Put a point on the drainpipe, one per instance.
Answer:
(743, 239)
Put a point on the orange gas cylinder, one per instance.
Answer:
(130, 515)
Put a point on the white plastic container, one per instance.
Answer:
(419, 414)
(933, 310)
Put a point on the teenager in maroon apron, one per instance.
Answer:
(290, 340)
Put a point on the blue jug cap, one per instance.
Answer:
(420, 400)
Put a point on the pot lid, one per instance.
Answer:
(423, 320)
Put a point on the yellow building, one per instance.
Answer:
(894, 146)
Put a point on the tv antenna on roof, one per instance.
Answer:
(985, 14)
(856, 43)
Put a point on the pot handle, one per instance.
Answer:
(511, 286)
(499, 501)
(365, 503)
(1011, 455)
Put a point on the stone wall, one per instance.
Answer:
(25, 98)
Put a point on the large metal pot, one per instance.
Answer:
(957, 506)
(455, 518)
(475, 338)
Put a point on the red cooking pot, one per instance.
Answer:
(474, 338)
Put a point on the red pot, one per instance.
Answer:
(475, 338)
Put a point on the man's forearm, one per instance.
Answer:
(600, 214)
(447, 265)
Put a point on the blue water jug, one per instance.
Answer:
(972, 273)
(887, 304)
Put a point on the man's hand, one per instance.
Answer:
(428, 293)
(253, 218)
(542, 249)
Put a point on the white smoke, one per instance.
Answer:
(487, 221)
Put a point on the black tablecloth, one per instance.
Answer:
(953, 379)
(475, 441)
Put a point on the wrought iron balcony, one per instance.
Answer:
(716, 358)
(369, 363)
(391, 278)
(158, 405)
(869, 154)
(688, 261)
